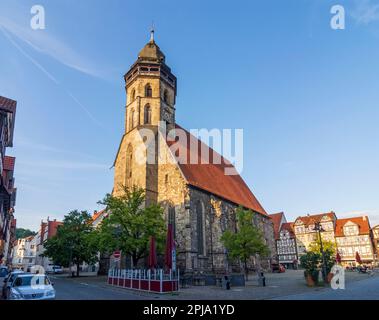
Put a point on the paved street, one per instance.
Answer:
(288, 286)
(367, 289)
(91, 289)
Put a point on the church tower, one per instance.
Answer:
(150, 100)
(150, 89)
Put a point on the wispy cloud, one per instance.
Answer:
(43, 42)
(64, 164)
(365, 11)
(372, 214)
(49, 75)
(25, 142)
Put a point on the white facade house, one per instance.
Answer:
(24, 253)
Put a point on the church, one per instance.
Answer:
(199, 200)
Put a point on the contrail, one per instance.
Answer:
(51, 77)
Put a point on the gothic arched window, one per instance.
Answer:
(147, 114)
(129, 159)
(200, 228)
(131, 119)
(165, 96)
(148, 91)
(171, 219)
(133, 95)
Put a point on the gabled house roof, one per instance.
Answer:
(288, 226)
(362, 223)
(311, 219)
(97, 214)
(276, 219)
(212, 178)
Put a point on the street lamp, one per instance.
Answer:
(318, 227)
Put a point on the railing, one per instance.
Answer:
(145, 280)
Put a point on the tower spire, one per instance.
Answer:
(152, 32)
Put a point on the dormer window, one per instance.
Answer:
(350, 230)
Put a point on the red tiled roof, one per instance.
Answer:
(289, 227)
(362, 222)
(7, 104)
(211, 177)
(311, 219)
(97, 214)
(276, 219)
(9, 163)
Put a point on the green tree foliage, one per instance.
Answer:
(330, 250)
(310, 261)
(23, 233)
(73, 243)
(129, 225)
(247, 241)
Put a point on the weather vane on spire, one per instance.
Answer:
(152, 32)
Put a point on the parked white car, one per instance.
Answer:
(8, 280)
(29, 286)
(52, 268)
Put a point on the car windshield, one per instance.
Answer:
(31, 280)
(3, 272)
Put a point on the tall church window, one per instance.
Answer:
(200, 228)
(129, 159)
(171, 219)
(132, 119)
(148, 91)
(165, 96)
(133, 95)
(147, 114)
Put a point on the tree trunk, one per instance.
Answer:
(246, 270)
(77, 269)
(135, 260)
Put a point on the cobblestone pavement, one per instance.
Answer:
(288, 285)
(367, 289)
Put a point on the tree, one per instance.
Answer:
(73, 243)
(129, 225)
(310, 261)
(247, 242)
(23, 233)
(330, 250)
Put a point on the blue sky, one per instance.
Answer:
(305, 95)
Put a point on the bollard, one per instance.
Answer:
(262, 279)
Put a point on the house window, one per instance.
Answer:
(148, 91)
(147, 114)
(350, 230)
(200, 228)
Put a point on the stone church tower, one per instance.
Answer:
(198, 199)
(151, 93)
